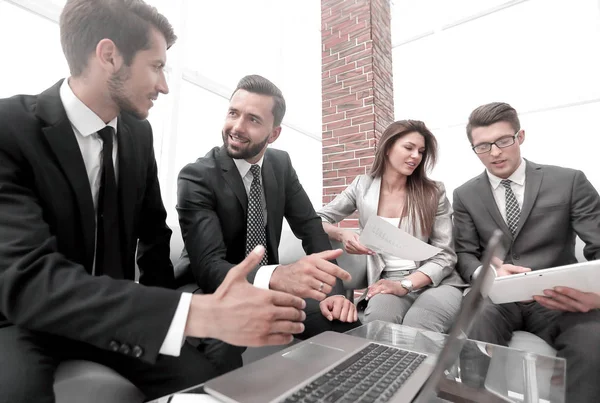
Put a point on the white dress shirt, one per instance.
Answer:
(263, 275)
(86, 124)
(517, 186)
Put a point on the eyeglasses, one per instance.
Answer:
(500, 143)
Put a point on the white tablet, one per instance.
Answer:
(522, 287)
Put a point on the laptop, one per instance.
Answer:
(336, 367)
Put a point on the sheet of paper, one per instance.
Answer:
(381, 236)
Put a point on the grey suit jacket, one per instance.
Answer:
(558, 204)
(363, 195)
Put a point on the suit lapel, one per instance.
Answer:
(62, 141)
(271, 195)
(371, 199)
(128, 161)
(533, 181)
(233, 178)
(484, 190)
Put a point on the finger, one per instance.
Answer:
(290, 314)
(337, 308)
(315, 284)
(280, 298)
(307, 292)
(550, 303)
(329, 254)
(319, 276)
(326, 307)
(517, 269)
(374, 290)
(286, 327)
(360, 248)
(332, 269)
(576, 305)
(344, 311)
(351, 312)
(355, 313)
(248, 264)
(570, 292)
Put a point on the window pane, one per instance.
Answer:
(37, 60)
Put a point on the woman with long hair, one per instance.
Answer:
(423, 294)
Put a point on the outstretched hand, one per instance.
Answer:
(313, 276)
(243, 315)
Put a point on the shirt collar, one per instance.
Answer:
(82, 118)
(243, 166)
(517, 177)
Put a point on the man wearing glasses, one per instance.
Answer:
(540, 209)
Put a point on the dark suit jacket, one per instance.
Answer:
(558, 204)
(47, 232)
(212, 205)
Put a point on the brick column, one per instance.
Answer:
(357, 93)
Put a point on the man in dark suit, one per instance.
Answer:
(79, 193)
(237, 196)
(540, 209)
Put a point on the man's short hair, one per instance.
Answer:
(259, 85)
(84, 23)
(491, 113)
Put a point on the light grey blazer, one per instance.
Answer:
(363, 195)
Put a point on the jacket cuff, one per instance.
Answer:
(433, 271)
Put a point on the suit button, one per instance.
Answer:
(125, 349)
(114, 346)
(137, 351)
(516, 257)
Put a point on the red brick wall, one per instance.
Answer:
(357, 90)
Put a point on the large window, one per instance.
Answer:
(540, 56)
(219, 42)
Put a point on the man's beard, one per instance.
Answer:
(118, 94)
(248, 152)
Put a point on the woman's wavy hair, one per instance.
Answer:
(421, 192)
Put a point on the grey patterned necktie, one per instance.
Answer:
(513, 212)
(255, 225)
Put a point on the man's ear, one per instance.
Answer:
(521, 136)
(275, 134)
(108, 56)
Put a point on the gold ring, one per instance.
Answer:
(321, 286)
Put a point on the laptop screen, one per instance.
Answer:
(470, 308)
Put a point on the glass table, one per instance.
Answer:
(482, 372)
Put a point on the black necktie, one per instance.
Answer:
(255, 225)
(513, 212)
(108, 238)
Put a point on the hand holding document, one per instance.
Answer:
(383, 237)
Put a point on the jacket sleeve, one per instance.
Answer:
(585, 215)
(201, 228)
(466, 240)
(342, 206)
(442, 264)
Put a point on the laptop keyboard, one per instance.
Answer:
(373, 374)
